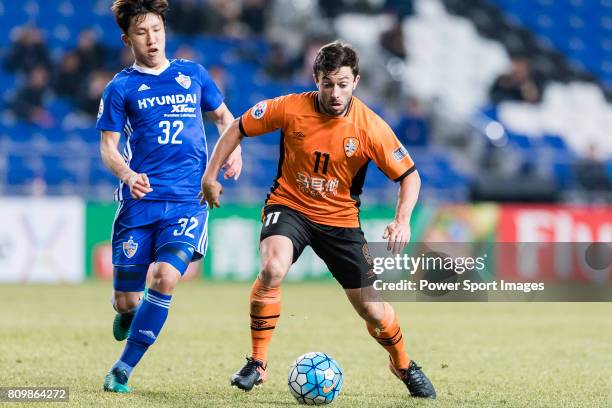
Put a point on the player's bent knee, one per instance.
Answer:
(126, 302)
(121, 306)
(273, 270)
(165, 277)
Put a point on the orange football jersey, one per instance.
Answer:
(323, 158)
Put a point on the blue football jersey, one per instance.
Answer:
(160, 115)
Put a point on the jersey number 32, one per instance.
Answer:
(175, 128)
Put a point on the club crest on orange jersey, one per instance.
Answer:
(351, 144)
(130, 247)
(183, 80)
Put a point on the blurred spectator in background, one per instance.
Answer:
(28, 101)
(331, 8)
(219, 76)
(91, 53)
(126, 58)
(28, 51)
(230, 11)
(312, 45)
(403, 8)
(253, 15)
(278, 65)
(215, 21)
(189, 17)
(185, 52)
(591, 172)
(412, 128)
(89, 100)
(518, 84)
(68, 79)
(392, 40)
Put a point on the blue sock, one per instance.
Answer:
(145, 328)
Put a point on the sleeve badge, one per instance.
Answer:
(259, 110)
(400, 153)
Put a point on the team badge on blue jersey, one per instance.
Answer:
(130, 247)
(183, 80)
(259, 110)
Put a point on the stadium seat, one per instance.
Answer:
(375, 178)
(571, 27)
(564, 173)
(22, 170)
(554, 142)
(58, 171)
(59, 108)
(22, 132)
(443, 48)
(100, 175)
(56, 135)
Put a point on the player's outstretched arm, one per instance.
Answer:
(224, 118)
(138, 183)
(398, 232)
(228, 142)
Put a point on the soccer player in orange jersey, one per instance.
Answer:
(328, 138)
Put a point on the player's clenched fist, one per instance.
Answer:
(398, 235)
(139, 185)
(211, 190)
(233, 165)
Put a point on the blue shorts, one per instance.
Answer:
(144, 230)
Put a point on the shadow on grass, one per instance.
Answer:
(209, 399)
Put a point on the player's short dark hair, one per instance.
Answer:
(331, 57)
(125, 10)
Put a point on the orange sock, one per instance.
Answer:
(265, 311)
(389, 335)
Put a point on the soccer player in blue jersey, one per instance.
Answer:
(157, 104)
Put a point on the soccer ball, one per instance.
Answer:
(315, 379)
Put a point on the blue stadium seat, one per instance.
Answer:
(57, 171)
(21, 170)
(8, 83)
(519, 141)
(107, 29)
(22, 132)
(62, 21)
(564, 173)
(56, 135)
(261, 173)
(574, 28)
(554, 142)
(490, 111)
(100, 175)
(375, 178)
(59, 108)
(14, 9)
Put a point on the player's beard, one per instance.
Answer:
(333, 110)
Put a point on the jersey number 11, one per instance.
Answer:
(318, 162)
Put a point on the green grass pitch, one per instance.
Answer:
(476, 354)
